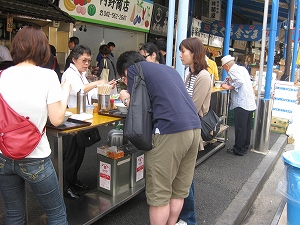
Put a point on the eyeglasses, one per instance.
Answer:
(86, 61)
(145, 56)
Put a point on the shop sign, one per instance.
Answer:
(9, 23)
(238, 31)
(127, 14)
(204, 38)
(159, 21)
(215, 41)
(215, 9)
(195, 28)
(238, 44)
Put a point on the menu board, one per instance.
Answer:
(127, 14)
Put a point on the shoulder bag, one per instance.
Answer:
(18, 135)
(105, 71)
(210, 123)
(138, 125)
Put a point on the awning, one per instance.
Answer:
(50, 12)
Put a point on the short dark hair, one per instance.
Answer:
(75, 40)
(111, 44)
(150, 48)
(30, 43)
(127, 59)
(79, 50)
(53, 50)
(104, 50)
(161, 45)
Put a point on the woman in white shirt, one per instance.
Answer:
(73, 153)
(39, 94)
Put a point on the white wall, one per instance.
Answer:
(125, 40)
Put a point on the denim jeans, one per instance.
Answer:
(188, 213)
(41, 176)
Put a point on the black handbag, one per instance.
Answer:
(210, 123)
(138, 125)
(86, 138)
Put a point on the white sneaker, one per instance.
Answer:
(181, 222)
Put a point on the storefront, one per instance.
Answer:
(54, 22)
(125, 23)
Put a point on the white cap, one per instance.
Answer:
(227, 59)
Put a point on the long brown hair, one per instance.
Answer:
(30, 43)
(195, 46)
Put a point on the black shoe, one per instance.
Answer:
(80, 185)
(232, 152)
(70, 193)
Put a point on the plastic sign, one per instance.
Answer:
(127, 14)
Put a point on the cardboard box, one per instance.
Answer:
(112, 152)
(290, 140)
(280, 130)
(279, 122)
(113, 174)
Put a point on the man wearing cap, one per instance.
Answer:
(242, 102)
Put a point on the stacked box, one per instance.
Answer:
(279, 130)
(279, 122)
(113, 174)
(137, 174)
(279, 125)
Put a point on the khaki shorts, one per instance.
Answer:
(170, 166)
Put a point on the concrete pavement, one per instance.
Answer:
(225, 186)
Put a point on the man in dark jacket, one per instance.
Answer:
(72, 42)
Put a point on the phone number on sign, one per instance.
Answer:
(112, 15)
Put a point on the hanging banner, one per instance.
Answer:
(215, 9)
(238, 31)
(127, 14)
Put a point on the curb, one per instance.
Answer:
(235, 213)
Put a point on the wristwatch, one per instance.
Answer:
(125, 101)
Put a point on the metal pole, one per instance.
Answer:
(183, 10)
(170, 36)
(265, 106)
(261, 68)
(296, 37)
(272, 40)
(227, 32)
(290, 34)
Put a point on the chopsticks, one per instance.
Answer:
(104, 89)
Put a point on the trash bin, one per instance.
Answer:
(292, 168)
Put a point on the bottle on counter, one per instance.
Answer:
(81, 102)
(111, 104)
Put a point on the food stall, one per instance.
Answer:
(94, 204)
(125, 179)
